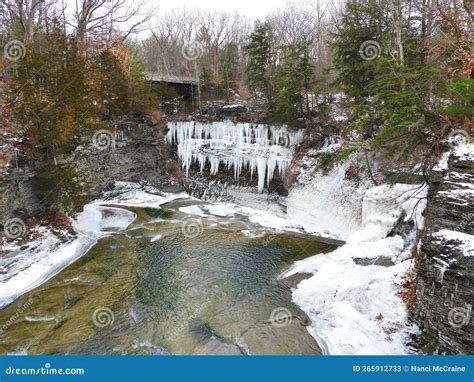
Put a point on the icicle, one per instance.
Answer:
(259, 148)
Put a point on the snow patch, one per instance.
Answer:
(156, 238)
(442, 165)
(27, 268)
(465, 152)
(465, 242)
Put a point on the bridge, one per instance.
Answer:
(184, 86)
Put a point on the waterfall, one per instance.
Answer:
(258, 148)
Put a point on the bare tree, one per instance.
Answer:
(28, 14)
(207, 32)
(92, 16)
(305, 20)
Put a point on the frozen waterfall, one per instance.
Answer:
(258, 148)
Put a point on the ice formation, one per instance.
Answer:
(259, 148)
(357, 308)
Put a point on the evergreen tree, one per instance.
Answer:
(357, 45)
(261, 60)
(49, 94)
(228, 61)
(294, 79)
(110, 86)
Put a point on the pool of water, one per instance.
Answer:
(170, 283)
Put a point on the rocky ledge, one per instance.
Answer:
(445, 260)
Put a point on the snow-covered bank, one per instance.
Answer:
(356, 309)
(25, 267)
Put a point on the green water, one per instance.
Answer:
(207, 292)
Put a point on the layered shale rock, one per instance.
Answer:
(445, 261)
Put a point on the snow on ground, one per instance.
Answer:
(133, 195)
(24, 267)
(356, 309)
(442, 165)
(27, 268)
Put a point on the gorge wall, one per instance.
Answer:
(445, 260)
(133, 151)
(232, 162)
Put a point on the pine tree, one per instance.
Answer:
(261, 61)
(228, 62)
(50, 94)
(294, 79)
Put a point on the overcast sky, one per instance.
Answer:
(251, 8)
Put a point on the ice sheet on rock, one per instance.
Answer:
(356, 309)
(27, 268)
(260, 217)
(134, 195)
(328, 203)
(193, 210)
